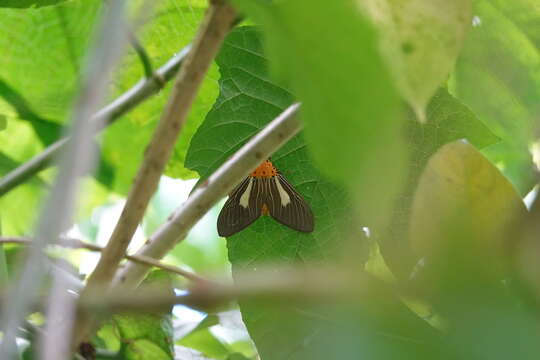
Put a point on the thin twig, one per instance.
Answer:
(144, 260)
(216, 24)
(218, 185)
(141, 91)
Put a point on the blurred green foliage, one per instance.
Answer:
(445, 278)
(145, 336)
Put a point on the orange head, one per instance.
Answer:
(265, 170)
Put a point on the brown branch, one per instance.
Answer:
(139, 259)
(216, 24)
(276, 284)
(218, 185)
(273, 283)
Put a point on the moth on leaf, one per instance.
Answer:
(264, 192)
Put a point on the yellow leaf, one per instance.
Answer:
(461, 195)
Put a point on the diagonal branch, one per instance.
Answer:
(215, 26)
(218, 185)
(145, 88)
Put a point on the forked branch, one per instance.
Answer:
(218, 185)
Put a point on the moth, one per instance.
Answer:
(264, 192)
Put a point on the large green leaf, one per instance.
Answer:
(499, 78)
(248, 99)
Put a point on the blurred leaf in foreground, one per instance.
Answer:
(420, 40)
(464, 224)
(460, 183)
(349, 105)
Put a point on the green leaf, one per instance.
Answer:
(148, 336)
(420, 40)
(28, 3)
(248, 100)
(204, 341)
(447, 120)
(498, 77)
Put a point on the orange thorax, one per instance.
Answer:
(265, 170)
